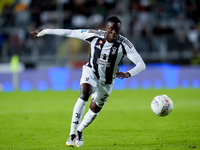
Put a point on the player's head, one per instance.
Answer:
(113, 26)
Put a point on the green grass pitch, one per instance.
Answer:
(41, 121)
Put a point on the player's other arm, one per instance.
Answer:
(140, 66)
(133, 55)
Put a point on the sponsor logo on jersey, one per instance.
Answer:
(104, 56)
(83, 30)
(103, 62)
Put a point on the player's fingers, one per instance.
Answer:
(123, 76)
(118, 75)
(34, 32)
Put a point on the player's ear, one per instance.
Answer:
(106, 26)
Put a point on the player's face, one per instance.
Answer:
(113, 30)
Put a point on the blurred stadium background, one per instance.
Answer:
(165, 32)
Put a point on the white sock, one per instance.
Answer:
(87, 120)
(77, 115)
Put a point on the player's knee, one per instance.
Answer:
(86, 91)
(94, 107)
(84, 95)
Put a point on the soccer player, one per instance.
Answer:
(99, 73)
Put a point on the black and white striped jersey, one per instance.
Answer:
(105, 57)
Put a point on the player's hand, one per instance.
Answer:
(122, 75)
(36, 33)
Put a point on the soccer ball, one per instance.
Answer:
(162, 105)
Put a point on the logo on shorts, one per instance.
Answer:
(86, 79)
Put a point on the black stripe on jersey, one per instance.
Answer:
(90, 39)
(89, 64)
(112, 58)
(123, 49)
(97, 53)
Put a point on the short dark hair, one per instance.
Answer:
(113, 19)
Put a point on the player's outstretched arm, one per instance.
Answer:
(60, 32)
(78, 33)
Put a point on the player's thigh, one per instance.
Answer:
(101, 94)
(88, 77)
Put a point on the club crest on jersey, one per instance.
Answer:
(100, 42)
(114, 49)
